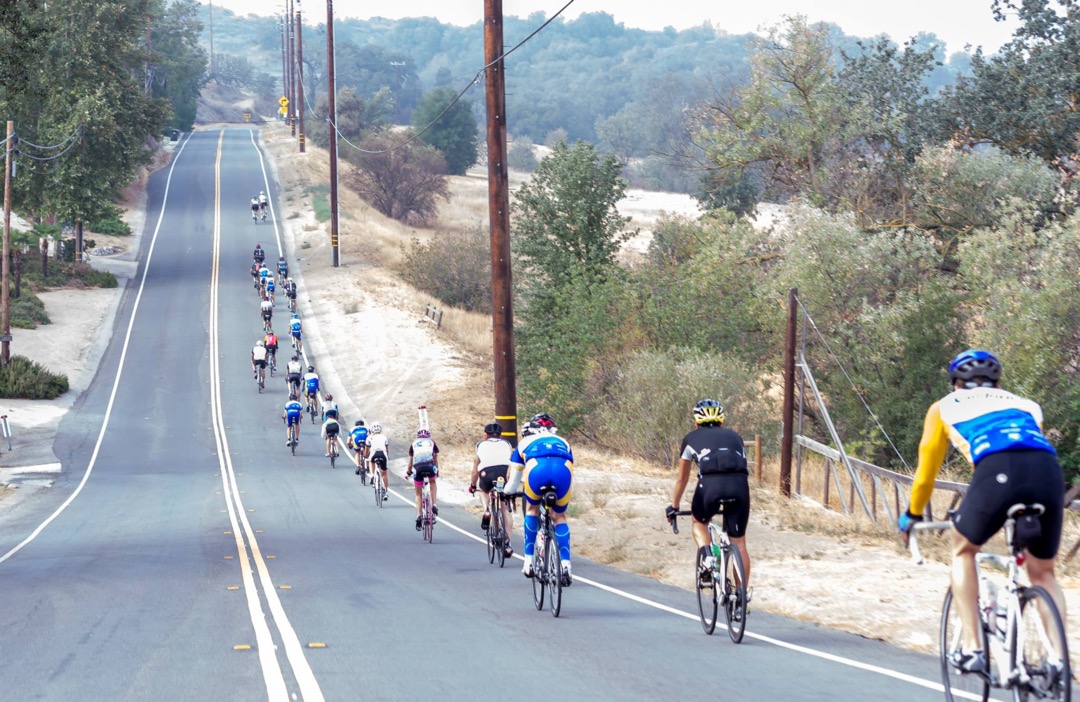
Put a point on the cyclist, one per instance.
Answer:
(1001, 435)
(311, 385)
(258, 357)
(295, 332)
(290, 292)
(721, 465)
(264, 273)
(378, 448)
(293, 370)
(543, 459)
(282, 268)
(424, 461)
(262, 204)
(271, 343)
(330, 429)
(357, 441)
(329, 407)
(491, 463)
(255, 209)
(255, 273)
(266, 308)
(271, 286)
(259, 254)
(291, 417)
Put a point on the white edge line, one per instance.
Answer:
(119, 370)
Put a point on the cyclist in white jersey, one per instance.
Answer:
(491, 463)
(424, 461)
(378, 448)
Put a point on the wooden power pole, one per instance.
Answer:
(291, 44)
(331, 117)
(499, 217)
(5, 267)
(300, 74)
(788, 435)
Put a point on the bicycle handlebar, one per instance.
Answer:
(674, 519)
(913, 541)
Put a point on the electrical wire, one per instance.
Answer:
(74, 135)
(457, 98)
(44, 159)
(852, 382)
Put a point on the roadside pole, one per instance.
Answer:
(332, 119)
(300, 74)
(502, 309)
(5, 268)
(788, 417)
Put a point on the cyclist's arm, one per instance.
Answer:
(514, 475)
(680, 481)
(475, 471)
(932, 448)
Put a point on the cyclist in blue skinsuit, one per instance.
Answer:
(311, 386)
(357, 440)
(543, 459)
(294, 330)
(291, 416)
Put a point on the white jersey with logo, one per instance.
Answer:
(258, 353)
(378, 442)
(423, 451)
(493, 452)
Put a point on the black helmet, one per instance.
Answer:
(292, 396)
(359, 422)
(708, 411)
(493, 429)
(311, 369)
(973, 364)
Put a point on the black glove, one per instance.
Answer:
(671, 513)
(472, 489)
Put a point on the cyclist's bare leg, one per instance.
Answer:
(965, 590)
(434, 485)
(419, 495)
(1041, 574)
(701, 533)
(739, 542)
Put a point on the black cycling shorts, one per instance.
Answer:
(379, 459)
(711, 489)
(424, 470)
(488, 476)
(1004, 479)
(259, 363)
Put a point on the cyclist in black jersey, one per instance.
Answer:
(722, 473)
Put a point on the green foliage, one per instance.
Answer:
(356, 117)
(24, 379)
(454, 267)
(180, 63)
(28, 311)
(451, 128)
(655, 391)
(112, 226)
(69, 274)
(522, 155)
(402, 180)
(320, 202)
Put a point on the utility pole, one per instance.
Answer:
(502, 322)
(284, 69)
(331, 117)
(292, 68)
(211, 3)
(5, 267)
(300, 73)
(788, 412)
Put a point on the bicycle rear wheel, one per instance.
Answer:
(965, 684)
(1043, 651)
(735, 595)
(539, 579)
(333, 456)
(492, 539)
(706, 591)
(292, 439)
(429, 519)
(554, 575)
(498, 526)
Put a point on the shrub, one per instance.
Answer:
(320, 202)
(26, 380)
(454, 267)
(113, 226)
(28, 311)
(653, 396)
(521, 156)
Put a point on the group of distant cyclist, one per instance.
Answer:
(259, 207)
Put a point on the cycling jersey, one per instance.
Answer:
(258, 354)
(423, 451)
(270, 286)
(715, 450)
(259, 255)
(271, 341)
(294, 327)
(359, 436)
(330, 428)
(293, 410)
(330, 411)
(979, 422)
(378, 442)
(267, 308)
(547, 461)
(290, 289)
(294, 368)
(493, 452)
(311, 382)
(262, 201)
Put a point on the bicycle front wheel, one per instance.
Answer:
(705, 583)
(735, 594)
(539, 578)
(499, 527)
(554, 574)
(492, 541)
(966, 685)
(1042, 650)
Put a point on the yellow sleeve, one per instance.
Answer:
(932, 448)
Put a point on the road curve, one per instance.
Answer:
(197, 559)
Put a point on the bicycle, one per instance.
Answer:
(312, 410)
(333, 451)
(294, 437)
(719, 576)
(273, 361)
(1031, 660)
(260, 377)
(292, 304)
(377, 483)
(361, 466)
(497, 538)
(547, 557)
(427, 514)
(266, 324)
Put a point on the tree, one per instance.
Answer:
(180, 63)
(450, 128)
(399, 179)
(356, 117)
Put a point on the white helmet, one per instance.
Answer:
(376, 428)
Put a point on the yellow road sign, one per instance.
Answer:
(283, 110)
(283, 101)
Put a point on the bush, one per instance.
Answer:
(113, 226)
(654, 395)
(26, 380)
(521, 156)
(320, 202)
(68, 274)
(454, 267)
(28, 311)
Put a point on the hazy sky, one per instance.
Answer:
(958, 22)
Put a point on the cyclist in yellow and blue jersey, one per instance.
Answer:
(543, 459)
(1001, 435)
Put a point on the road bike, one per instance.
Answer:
(497, 538)
(377, 482)
(719, 577)
(547, 557)
(292, 303)
(1028, 652)
(271, 297)
(294, 436)
(273, 360)
(260, 377)
(361, 466)
(427, 513)
(312, 410)
(333, 450)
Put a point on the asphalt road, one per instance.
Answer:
(197, 559)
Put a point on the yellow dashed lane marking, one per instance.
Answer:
(241, 647)
(233, 587)
(316, 644)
